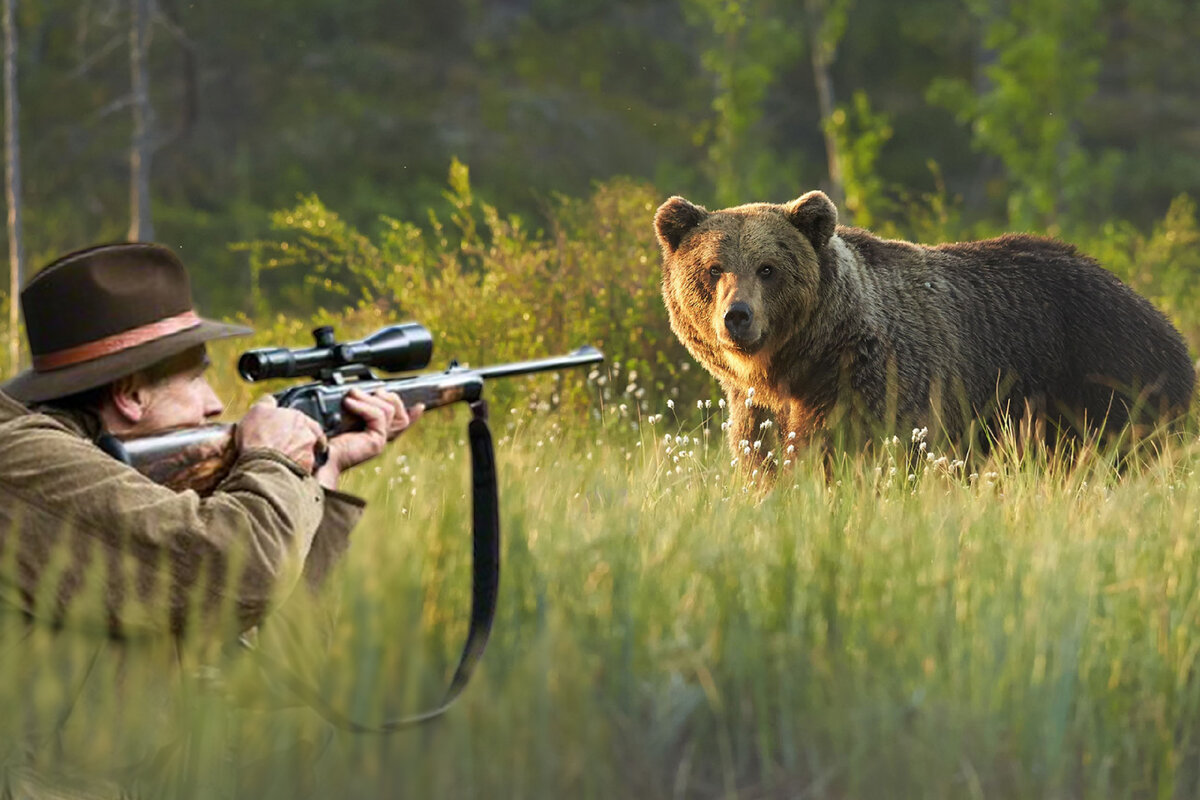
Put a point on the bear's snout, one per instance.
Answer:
(739, 321)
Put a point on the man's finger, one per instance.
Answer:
(373, 411)
(405, 416)
(400, 418)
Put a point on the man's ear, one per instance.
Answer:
(128, 398)
(814, 215)
(674, 219)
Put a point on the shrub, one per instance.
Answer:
(491, 289)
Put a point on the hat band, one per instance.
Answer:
(115, 343)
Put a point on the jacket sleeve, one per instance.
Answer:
(299, 634)
(86, 540)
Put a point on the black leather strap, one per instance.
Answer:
(485, 586)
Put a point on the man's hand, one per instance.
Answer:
(285, 430)
(385, 417)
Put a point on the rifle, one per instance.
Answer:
(199, 458)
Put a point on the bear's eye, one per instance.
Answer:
(715, 271)
(765, 271)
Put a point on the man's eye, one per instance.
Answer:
(765, 271)
(715, 271)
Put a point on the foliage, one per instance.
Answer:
(748, 43)
(492, 290)
(1047, 57)
(861, 134)
(363, 104)
(1162, 265)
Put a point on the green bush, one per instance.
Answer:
(492, 290)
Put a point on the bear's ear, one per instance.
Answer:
(674, 219)
(815, 215)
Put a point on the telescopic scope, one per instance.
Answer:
(396, 348)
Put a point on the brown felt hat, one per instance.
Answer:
(99, 314)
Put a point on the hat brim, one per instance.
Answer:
(33, 386)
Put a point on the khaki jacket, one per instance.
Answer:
(91, 548)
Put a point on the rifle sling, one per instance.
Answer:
(485, 585)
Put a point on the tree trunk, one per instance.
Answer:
(822, 59)
(141, 151)
(12, 186)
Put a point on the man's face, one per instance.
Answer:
(176, 395)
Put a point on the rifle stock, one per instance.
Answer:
(190, 458)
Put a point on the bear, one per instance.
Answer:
(811, 325)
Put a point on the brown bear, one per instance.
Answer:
(813, 324)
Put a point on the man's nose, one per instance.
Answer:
(212, 404)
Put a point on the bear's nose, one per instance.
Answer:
(737, 320)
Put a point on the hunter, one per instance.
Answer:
(97, 562)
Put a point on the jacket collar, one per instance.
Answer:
(80, 422)
(10, 409)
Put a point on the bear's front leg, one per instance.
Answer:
(798, 428)
(745, 431)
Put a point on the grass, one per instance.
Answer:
(667, 629)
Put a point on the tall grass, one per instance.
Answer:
(669, 629)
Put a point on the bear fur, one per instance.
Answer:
(812, 324)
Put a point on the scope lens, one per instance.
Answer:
(260, 365)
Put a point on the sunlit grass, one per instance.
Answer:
(886, 625)
(668, 629)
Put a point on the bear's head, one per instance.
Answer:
(742, 280)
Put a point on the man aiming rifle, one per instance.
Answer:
(236, 518)
(88, 544)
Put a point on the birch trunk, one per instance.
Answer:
(141, 226)
(12, 186)
(822, 58)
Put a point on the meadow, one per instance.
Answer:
(1022, 626)
(669, 629)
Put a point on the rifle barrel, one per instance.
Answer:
(576, 358)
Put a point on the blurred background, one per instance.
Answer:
(224, 127)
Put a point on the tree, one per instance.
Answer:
(748, 44)
(1039, 75)
(12, 184)
(141, 150)
(826, 22)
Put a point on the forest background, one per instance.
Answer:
(253, 123)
